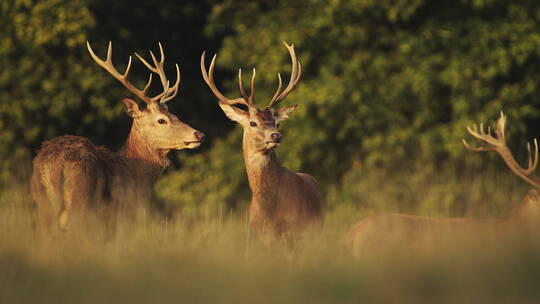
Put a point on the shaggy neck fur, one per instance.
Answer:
(263, 173)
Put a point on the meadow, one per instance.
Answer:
(387, 90)
(181, 259)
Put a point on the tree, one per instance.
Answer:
(384, 82)
(49, 86)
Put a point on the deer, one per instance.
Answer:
(283, 202)
(387, 230)
(71, 174)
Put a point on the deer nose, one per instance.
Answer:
(199, 135)
(276, 137)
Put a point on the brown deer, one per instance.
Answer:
(71, 174)
(388, 230)
(282, 201)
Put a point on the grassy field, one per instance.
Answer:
(218, 260)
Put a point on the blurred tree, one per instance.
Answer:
(384, 83)
(49, 86)
(42, 80)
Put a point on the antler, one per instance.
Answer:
(168, 92)
(158, 69)
(252, 89)
(296, 72)
(497, 143)
(209, 79)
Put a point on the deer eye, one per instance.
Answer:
(161, 121)
(253, 124)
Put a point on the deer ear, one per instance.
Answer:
(284, 113)
(232, 112)
(131, 108)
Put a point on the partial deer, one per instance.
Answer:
(71, 174)
(282, 201)
(400, 229)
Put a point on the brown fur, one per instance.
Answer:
(71, 174)
(283, 202)
(390, 231)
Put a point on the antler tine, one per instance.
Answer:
(533, 161)
(501, 125)
(159, 64)
(296, 72)
(208, 77)
(252, 90)
(278, 91)
(476, 149)
(487, 137)
(174, 89)
(498, 144)
(478, 133)
(240, 85)
(147, 86)
(127, 68)
(109, 67)
(161, 53)
(158, 68)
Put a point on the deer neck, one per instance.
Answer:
(263, 173)
(137, 148)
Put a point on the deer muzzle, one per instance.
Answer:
(199, 138)
(274, 140)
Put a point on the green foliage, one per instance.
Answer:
(384, 82)
(49, 86)
(38, 91)
(480, 191)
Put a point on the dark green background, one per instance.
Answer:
(386, 85)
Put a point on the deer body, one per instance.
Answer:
(282, 201)
(389, 230)
(71, 174)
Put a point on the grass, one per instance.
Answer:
(218, 260)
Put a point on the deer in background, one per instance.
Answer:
(71, 174)
(282, 201)
(399, 229)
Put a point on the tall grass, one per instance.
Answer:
(219, 260)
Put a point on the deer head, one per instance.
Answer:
(154, 125)
(261, 127)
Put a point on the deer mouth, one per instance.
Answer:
(192, 144)
(272, 144)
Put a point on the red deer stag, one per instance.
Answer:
(282, 201)
(387, 230)
(70, 173)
